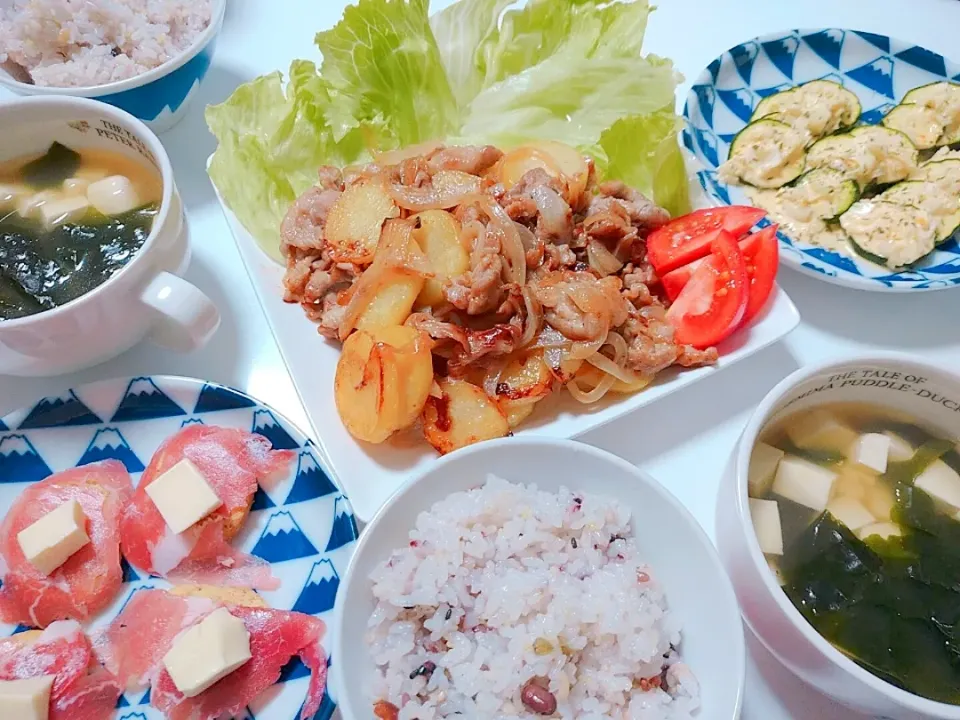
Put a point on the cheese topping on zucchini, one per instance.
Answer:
(943, 207)
(945, 174)
(943, 98)
(896, 235)
(869, 154)
(919, 123)
(765, 154)
(814, 109)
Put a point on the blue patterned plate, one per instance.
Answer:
(878, 69)
(305, 527)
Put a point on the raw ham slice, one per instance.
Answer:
(234, 462)
(89, 580)
(140, 637)
(82, 689)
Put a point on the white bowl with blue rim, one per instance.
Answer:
(158, 97)
(880, 70)
(304, 527)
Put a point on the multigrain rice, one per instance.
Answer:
(84, 43)
(506, 585)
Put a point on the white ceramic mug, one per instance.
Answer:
(147, 298)
(927, 394)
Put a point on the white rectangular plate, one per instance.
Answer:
(370, 473)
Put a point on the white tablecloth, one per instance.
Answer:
(685, 439)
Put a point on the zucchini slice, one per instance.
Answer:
(919, 123)
(871, 154)
(777, 103)
(830, 190)
(765, 154)
(889, 233)
(943, 207)
(943, 98)
(932, 94)
(945, 174)
(816, 109)
(845, 103)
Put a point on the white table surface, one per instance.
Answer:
(685, 439)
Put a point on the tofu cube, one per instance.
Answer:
(113, 195)
(28, 206)
(75, 186)
(900, 449)
(871, 450)
(879, 501)
(27, 699)
(883, 529)
(763, 466)
(12, 195)
(766, 524)
(941, 482)
(820, 430)
(850, 512)
(804, 482)
(50, 541)
(207, 652)
(63, 210)
(183, 496)
(777, 573)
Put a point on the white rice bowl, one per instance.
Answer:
(86, 43)
(506, 583)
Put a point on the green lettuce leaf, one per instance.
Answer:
(476, 72)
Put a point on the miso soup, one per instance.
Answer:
(69, 220)
(857, 511)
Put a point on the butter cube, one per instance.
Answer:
(113, 195)
(804, 482)
(763, 466)
(183, 496)
(52, 539)
(64, 210)
(941, 482)
(207, 652)
(850, 512)
(871, 450)
(766, 523)
(820, 430)
(27, 699)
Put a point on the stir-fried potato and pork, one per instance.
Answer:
(466, 285)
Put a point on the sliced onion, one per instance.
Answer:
(395, 157)
(491, 378)
(531, 244)
(471, 231)
(511, 246)
(429, 198)
(602, 362)
(593, 395)
(534, 320)
(601, 259)
(361, 295)
(551, 338)
(554, 212)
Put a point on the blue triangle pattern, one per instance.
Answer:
(925, 60)
(873, 117)
(344, 530)
(219, 397)
(878, 41)
(192, 421)
(707, 144)
(727, 138)
(743, 57)
(145, 700)
(129, 574)
(766, 92)
(833, 258)
(782, 53)
(20, 462)
(705, 100)
(63, 411)
(282, 539)
(109, 444)
(143, 400)
(21, 629)
(326, 709)
(688, 141)
(827, 45)
(264, 423)
(714, 69)
(319, 592)
(3, 425)
(122, 702)
(261, 501)
(876, 75)
(739, 101)
(311, 481)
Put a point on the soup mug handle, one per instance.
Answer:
(186, 318)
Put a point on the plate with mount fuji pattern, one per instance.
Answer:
(305, 527)
(878, 69)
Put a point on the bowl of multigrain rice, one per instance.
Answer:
(147, 57)
(529, 577)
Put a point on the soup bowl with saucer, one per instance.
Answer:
(147, 298)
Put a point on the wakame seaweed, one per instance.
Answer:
(892, 605)
(41, 269)
(826, 458)
(52, 168)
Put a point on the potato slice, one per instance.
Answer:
(438, 234)
(525, 376)
(555, 158)
(516, 412)
(393, 301)
(410, 350)
(463, 414)
(355, 221)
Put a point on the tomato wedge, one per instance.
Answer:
(689, 237)
(761, 253)
(713, 302)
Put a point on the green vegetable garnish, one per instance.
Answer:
(394, 76)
